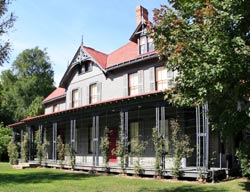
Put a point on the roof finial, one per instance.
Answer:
(82, 41)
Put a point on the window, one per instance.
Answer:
(93, 95)
(164, 78)
(133, 84)
(90, 142)
(55, 108)
(150, 44)
(143, 45)
(133, 134)
(75, 98)
(85, 67)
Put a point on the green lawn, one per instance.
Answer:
(49, 180)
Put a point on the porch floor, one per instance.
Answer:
(187, 172)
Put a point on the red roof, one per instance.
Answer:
(58, 92)
(98, 56)
(127, 52)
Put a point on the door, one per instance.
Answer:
(112, 144)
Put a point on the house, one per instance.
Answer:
(124, 92)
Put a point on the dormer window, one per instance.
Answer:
(142, 45)
(145, 44)
(85, 67)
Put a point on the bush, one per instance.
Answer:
(70, 153)
(5, 138)
(104, 147)
(243, 154)
(60, 150)
(25, 148)
(181, 147)
(13, 153)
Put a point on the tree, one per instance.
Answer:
(5, 138)
(26, 84)
(208, 43)
(6, 24)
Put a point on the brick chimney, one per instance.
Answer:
(141, 14)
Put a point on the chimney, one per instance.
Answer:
(141, 15)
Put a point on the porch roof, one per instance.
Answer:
(87, 106)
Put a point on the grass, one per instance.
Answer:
(43, 179)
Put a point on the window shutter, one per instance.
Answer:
(140, 82)
(152, 79)
(70, 99)
(79, 96)
(87, 95)
(125, 85)
(99, 91)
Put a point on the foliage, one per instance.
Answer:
(6, 24)
(39, 147)
(138, 149)
(26, 84)
(243, 154)
(70, 153)
(13, 153)
(45, 147)
(60, 150)
(104, 146)
(158, 141)
(181, 146)
(121, 151)
(208, 43)
(5, 137)
(25, 148)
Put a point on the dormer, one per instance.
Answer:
(144, 43)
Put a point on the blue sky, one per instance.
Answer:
(58, 26)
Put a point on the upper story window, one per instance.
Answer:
(75, 98)
(93, 94)
(85, 67)
(145, 44)
(55, 108)
(151, 46)
(164, 78)
(133, 84)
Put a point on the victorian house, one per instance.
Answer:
(124, 92)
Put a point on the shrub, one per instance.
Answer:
(181, 147)
(243, 154)
(60, 150)
(104, 147)
(70, 153)
(25, 148)
(13, 153)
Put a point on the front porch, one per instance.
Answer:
(83, 127)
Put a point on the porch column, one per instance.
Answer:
(95, 133)
(54, 153)
(124, 130)
(30, 142)
(202, 131)
(72, 134)
(161, 128)
(40, 128)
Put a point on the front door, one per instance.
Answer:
(112, 144)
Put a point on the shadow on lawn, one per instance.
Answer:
(184, 189)
(45, 176)
(245, 185)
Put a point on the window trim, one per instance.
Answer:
(136, 87)
(90, 93)
(72, 98)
